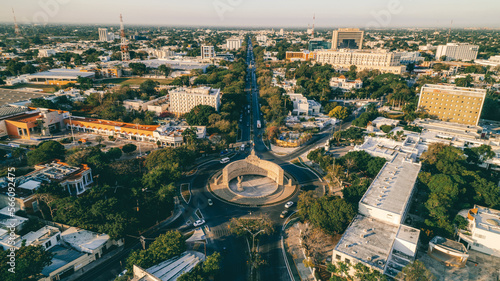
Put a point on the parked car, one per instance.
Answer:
(210, 202)
(284, 214)
(198, 223)
(289, 204)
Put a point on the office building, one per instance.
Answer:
(234, 43)
(452, 104)
(207, 52)
(347, 38)
(182, 100)
(493, 61)
(483, 230)
(457, 51)
(298, 56)
(383, 61)
(319, 44)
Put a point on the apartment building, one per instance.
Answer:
(457, 51)
(384, 61)
(347, 38)
(105, 36)
(452, 104)
(234, 43)
(182, 100)
(207, 52)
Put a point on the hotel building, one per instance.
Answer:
(452, 104)
(182, 100)
(347, 38)
(385, 62)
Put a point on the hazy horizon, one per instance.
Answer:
(258, 13)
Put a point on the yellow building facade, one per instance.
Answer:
(452, 104)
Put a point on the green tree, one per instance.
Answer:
(386, 128)
(165, 246)
(339, 112)
(198, 116)
(166, 70)
(149, 87)
(138, 68)
(211, 265)
(114, 153)
(415, 271)
(28, 265)
(47, 150)
(129, 148)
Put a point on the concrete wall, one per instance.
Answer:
(253, 165)
(380, 214)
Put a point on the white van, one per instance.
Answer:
(225, 160)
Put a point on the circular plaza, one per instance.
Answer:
(252, 182)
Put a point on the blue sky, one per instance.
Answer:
(271, 13)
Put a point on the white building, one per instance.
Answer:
(157, 105)
(411, 57)
(47, 236)
(303, 106)
(493, 61)
(344, 84)
(457, 51)
(182, 100)
(44, 53)
(385, 62)
(207, 52)
(105, 36)
(377, 236)
(234, 43)
(483, 231)
(169, 270)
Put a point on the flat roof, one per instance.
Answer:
(62, 73)
(391, 189)
(171, 269)
(84, 239)
(456, 90)
(8, 96)
(375, 246)
(487, 219)
(62, 256)
(114, 123)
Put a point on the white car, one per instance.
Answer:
(289, 204)
(198, 223)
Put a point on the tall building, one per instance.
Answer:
(234, 43)
(347, 38)
(207, 52)
(386, 62)
(457, 51)
(103, 34)
(182, 100)
(452, 104)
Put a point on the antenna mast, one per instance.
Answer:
(124, 45)
(16, 27)
(314, 21)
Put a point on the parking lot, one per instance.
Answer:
(11, 96)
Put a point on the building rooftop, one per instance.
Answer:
(196, 91)
(171, 269)
(473, 92)
(369, 240)
(486, 219)
(62, 256)
(84, 240)
(393, 186)
(63, 74)
(115, 123)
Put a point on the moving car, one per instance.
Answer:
(289, 204)
(210, 202)
(284, 214)
(225, 160)
(198, 223)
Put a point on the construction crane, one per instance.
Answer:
(16, 27)
(124, 45)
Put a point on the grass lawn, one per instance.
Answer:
(185, 193)
(134, 81)
(45, 88)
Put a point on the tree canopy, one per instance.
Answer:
(47, 150)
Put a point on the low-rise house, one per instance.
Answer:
(344, 84)
(483, 230)
(157, 105)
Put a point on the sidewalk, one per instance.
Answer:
(293, 249)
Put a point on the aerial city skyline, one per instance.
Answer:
(231, 140)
